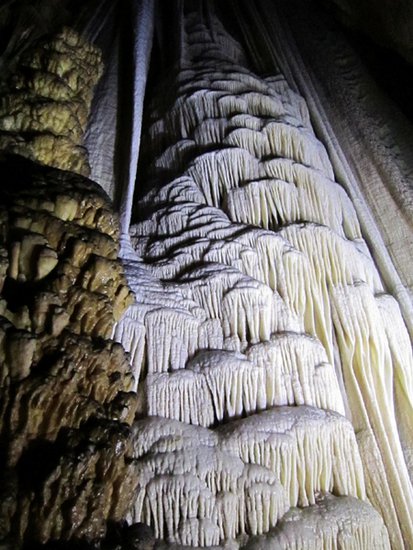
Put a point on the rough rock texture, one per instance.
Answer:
(65, 396)
(44, 112)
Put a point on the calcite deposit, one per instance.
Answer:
(260, 315)
(43, 115)
(230, 370)
(66, 387)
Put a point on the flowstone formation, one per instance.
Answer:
(43, 115)
(265, 396)
(275, 371)
(65, 395)
(66, 399)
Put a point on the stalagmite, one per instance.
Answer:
(297, 372)
(186, 481)
(45, 116)
(66, 388)
(244, 162)
(309, 449)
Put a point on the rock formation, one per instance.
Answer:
(66, 395)
(44, 115)
(259, 292)
(232, 372)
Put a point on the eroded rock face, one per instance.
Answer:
(44, 114)
(66, 399)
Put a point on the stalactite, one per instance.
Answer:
(330, 523)
(370, 377)
(310, 450)
(142, 15)
(211, 484)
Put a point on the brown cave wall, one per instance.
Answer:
(45, 105)
(66, 400)
(66, 397)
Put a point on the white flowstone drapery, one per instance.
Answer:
(260, 323)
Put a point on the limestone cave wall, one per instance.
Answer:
(209, 346)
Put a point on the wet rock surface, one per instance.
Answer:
(65, 400)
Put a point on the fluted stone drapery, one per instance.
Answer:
(231, 367)
(253, 254)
